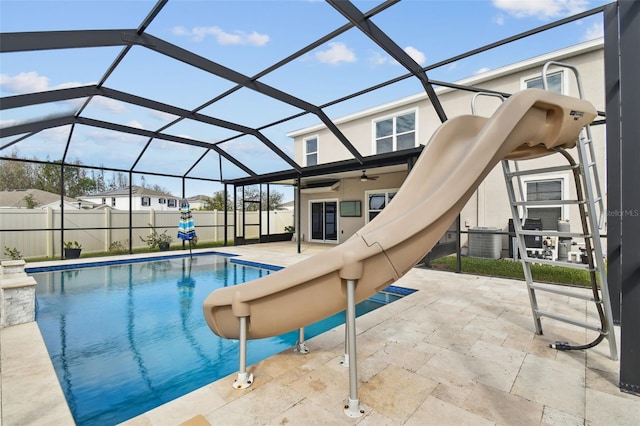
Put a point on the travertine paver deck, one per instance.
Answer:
(461, 350)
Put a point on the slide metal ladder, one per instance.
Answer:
(592, 214)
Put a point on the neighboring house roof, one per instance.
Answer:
(16, 198)
(199, 197)
(289, 205)
(136, 191)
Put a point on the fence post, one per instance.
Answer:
(49, 225)
(215, 225)
(108, 231)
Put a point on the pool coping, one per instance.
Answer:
(23, 353)
(46, 399)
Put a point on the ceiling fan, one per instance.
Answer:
(365, 178)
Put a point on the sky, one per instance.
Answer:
(250, 36)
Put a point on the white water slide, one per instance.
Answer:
(463, 150)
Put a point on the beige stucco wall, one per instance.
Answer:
(488, 206)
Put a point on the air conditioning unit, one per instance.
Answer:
(485, 245)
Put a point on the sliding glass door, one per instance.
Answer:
(324, 221)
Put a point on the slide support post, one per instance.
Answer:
(352, 408)
(345, 360)
(243, 380)
(300, 348)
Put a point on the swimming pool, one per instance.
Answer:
(125, 338)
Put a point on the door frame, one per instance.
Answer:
(310, 220)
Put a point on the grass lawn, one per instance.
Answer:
(509, 269)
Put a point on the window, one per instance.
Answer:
(104, 201)
(113, 202)
(162, 200)
(146, 201)
(395, 133)
(378, 200)
(554, 82)
(545, 190)
(311, 151)
(172, 202)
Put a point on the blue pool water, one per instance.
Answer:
(127, 337)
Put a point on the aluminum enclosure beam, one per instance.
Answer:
(47, 40)
(349, 11)
(629, 21)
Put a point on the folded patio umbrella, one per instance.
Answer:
(186, 228)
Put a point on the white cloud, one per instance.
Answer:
(377, 58)
(237, 37)
(416, 55)
(481, 70)
(25, 82)
(543, 9)
(161, 115)
(135, 124)
(32, 82)
(336, 53)
(8, 123)
(593, 32)
(109, 104)
(498, 19)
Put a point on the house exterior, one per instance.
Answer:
(142, 199)
(410, 122)
(38, 199)
(198, 202)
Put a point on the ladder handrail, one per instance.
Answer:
(587, 158)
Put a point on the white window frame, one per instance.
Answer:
(306, 154)
(394, 134)
(564, 187)
(563, 83)
(145, 201)
(172, 202)
(162, 201)
(377, 191)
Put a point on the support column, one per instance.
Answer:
(352, 408)
(629, 21)
(17, 294)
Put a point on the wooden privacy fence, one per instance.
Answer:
(36, 232)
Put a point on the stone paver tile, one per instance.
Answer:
(256, 407)
(306, 412)
(325, 387)
(403, 356)
(396, 330)
(611, 410)
(449, 367)
(455, 339)
(498, 366)
(396, 392)
(552, 383)
(200, 401)
(29, 380)
(599, 358)
(553, 417)
(437, 413)
(502, 407)
(373, 418)
(453, 394)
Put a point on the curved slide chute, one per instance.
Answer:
(459, 155)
